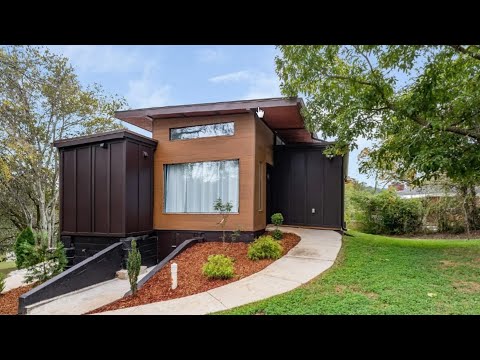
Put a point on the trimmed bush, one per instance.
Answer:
(134, 263)
(265, 247)
(25, 238)
(277, 220)
(387, 213)
(2, 282)
(218, 267)
(277, 234)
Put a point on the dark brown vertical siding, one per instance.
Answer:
(305, 179)
(333, 191)
(316, 187)
(298, 190)
(117, 180)
(100, 197)
(145, 216)
(84, 183)
(69, 198)
(107, 186)
(132, 187)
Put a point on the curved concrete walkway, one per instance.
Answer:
(314, 254)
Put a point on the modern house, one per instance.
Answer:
(255, 154)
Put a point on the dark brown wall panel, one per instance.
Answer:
(305, 179)
(145, 188)
(132, 186)
(69, 191)
(117, 191)
(333, 192)
(84, 184)
(100, 199)
(316, 189)
(107, 187)
(297, 188)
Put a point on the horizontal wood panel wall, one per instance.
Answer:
(239, 146)
(263, 155)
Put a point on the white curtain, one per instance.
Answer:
(194, 187)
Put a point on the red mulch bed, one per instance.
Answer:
(190, 278)
(9, 300)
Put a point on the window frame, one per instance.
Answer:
(164, 208)
(200, 137)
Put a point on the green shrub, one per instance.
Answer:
(446, 213)
(43, 262)
(218, 267)
(2, 282)
(134, 263)
(265, 247)
(387, 213)
(26, 237)
(277, 234)
(277, 220)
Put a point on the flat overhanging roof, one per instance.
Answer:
(282, 115)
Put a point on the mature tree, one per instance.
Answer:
(420, 104)
(41, 100)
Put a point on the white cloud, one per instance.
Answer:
(100, 58)
(210, 55)
(259, 84)
(146, 92)
(243, 75)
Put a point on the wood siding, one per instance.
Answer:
(240, 146)
(106, 191)
(263, 155)
(308, 187)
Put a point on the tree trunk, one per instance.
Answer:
(472, 197)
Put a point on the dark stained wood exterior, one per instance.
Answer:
(305, 179)
(106, 185)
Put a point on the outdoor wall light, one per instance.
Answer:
(103, 145)
(260, 113)
(145, 154)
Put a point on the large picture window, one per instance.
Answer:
(194, 187)
(202, 131)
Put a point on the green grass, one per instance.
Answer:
(382, 275)
(7, 266)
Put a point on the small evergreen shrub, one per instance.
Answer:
(2, 282)
(277, 220)
(218, 267)
(26, 237)
(43, 262)
(277, 234)
(265, 247)
(134, 263)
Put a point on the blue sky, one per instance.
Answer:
(149, 76)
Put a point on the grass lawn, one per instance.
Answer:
(382, 275)
(7, 266)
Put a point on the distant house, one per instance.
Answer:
(430, 191)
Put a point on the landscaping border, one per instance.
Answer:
(183, 246)
(98, 268)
